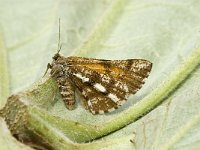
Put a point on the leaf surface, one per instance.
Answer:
(164, 32)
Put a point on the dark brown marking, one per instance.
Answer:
(129, 73)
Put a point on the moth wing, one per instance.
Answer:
(109, 82)
(96, 102)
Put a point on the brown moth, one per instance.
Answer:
(104, 84)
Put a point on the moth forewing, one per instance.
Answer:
(104, 84)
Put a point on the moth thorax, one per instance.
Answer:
(66, 69)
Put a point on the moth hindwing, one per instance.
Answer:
(104, 84)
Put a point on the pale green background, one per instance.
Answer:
(165, 32)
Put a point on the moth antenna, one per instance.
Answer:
(59, 37)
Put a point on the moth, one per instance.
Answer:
(104, 85)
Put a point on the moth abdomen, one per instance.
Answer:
(67, 92)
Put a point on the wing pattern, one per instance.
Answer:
(106, 84)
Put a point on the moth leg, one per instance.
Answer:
(48, 67)
(67, 92)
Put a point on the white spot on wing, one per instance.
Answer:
(101, 112)
(94, 100)
(141, 65)
(84, 93)
(105, 78)
(122, 86)
(125, 88)
(89, 103)
(99, 87)
(65, 93)
(117, 83)
(84, 79)
(113, 97)
(111, 109)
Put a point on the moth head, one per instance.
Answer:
(56, 56)
(55, 66)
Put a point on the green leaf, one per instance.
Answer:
(8, 142)
(164, 114)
